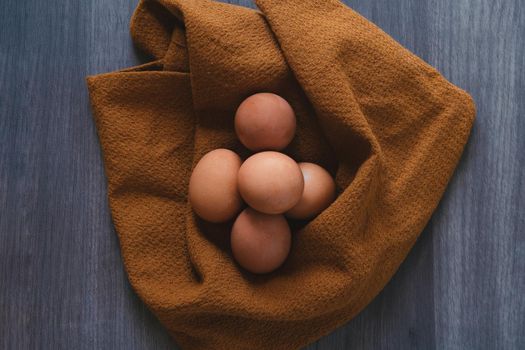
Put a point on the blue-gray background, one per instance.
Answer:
(62, 283)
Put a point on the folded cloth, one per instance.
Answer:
(388, 126)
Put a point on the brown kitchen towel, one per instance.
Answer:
(388, 126)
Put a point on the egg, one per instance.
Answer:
(318, 193)
(260, 242)
(270, 182)
(265, 121)
(213, 192)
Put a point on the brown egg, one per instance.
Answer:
(265, 121)
(318, 193)
(271, 182)
(213, 192)
(260, 242)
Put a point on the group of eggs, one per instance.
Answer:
(271, 183)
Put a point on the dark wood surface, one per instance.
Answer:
(62, 283)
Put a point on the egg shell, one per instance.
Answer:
(265, 121)
(260, 242)
(213, 192)
(270, 182)
(318, 193)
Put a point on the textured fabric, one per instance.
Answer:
(388, 126)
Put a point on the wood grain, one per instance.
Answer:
(62, 283)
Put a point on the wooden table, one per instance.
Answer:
(62, 283)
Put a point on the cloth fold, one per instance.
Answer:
(388, 126)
